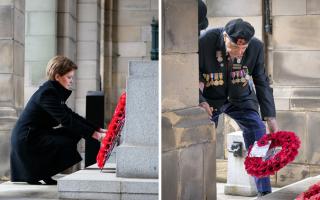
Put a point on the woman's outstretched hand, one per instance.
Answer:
(103, 130)
(100, 134)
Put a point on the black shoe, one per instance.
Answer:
(50, 181)
(33, 182)
(260, 194)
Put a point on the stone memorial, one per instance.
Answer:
(238, 181)
(135, 173)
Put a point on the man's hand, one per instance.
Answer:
(272, 125)
(201, 86)
(207, 108)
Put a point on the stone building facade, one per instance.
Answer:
(292, 62)
(100, 36)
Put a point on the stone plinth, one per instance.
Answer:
(95, 184)
(188, 155)
(137, 156)
(25, 191)
(238, 181)
(134, 175)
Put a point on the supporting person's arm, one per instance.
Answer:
(264, 91)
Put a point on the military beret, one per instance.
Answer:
(202, 15)
(239, 29)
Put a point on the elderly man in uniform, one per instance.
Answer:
(233, 81)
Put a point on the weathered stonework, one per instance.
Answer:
(220, 8)
(188, 155)
(11, 75)
(177, 31)
(180, 81)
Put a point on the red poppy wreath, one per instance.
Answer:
(313, 193)
(261, 167)
(113, 133)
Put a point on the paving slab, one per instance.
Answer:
(24, 191)
(293, 190)
(93, 183)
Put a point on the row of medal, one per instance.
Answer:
(215, 79)
(240, 77)
(237, 77)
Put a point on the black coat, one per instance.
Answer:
(44, 139)
(211, 45)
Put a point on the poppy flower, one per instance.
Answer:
(114, 130)
(289, 143)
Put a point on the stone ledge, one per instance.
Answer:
(96, 184)
(184, 128)
(293, 190)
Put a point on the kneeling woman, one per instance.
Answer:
(44, 139)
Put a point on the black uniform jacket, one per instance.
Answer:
(215, 66)
(44, 139)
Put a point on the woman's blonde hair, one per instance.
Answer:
(59, 65)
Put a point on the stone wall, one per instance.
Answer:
(88, 51)
(67, 34)
(41, 42)
(296, 73)
(70, 28)
(220, 12)
(127, 37)
(12, 15)
(293, 66)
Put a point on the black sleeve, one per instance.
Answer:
(201, 66)
(51, 103)
(201, 57)
(82, 119)
(263, 89)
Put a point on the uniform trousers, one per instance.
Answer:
(253, 129)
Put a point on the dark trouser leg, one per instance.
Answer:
(253, 129)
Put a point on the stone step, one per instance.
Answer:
(97, 184)
(108, 166)
(293, 190)
(24, 191)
